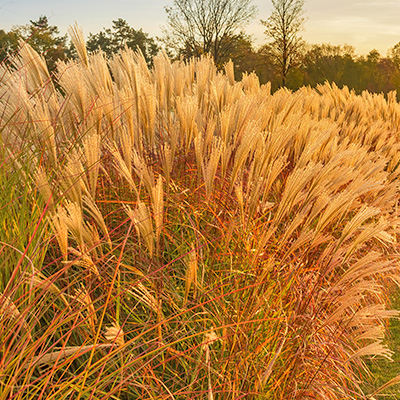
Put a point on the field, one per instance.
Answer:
(170, 233)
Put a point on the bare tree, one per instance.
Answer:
(197, 27)
(283, 28)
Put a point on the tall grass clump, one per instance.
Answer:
(169, 233)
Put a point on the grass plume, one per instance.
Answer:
(172, 233)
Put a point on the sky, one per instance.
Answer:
(364, 24)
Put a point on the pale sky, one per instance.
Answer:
(364, 24)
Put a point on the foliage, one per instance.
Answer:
(200, 237)
(112, 40)
(339, 65)
(44, 38)
(8, 44)
(394, 54)
(328, 63)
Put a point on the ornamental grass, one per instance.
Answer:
(170, 233)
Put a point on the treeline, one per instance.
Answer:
(46, 40)
(319, 63)
(325, 62)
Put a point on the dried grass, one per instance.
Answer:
(289, 200)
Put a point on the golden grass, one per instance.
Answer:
(230, 242)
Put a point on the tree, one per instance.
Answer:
(378, 74)
(394, 54)
(325, 62)
(242, 54)
(8, 44)
(121, 34)
(197, 27)
(283, 28)
(44, 38)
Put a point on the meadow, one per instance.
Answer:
(171, 233)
